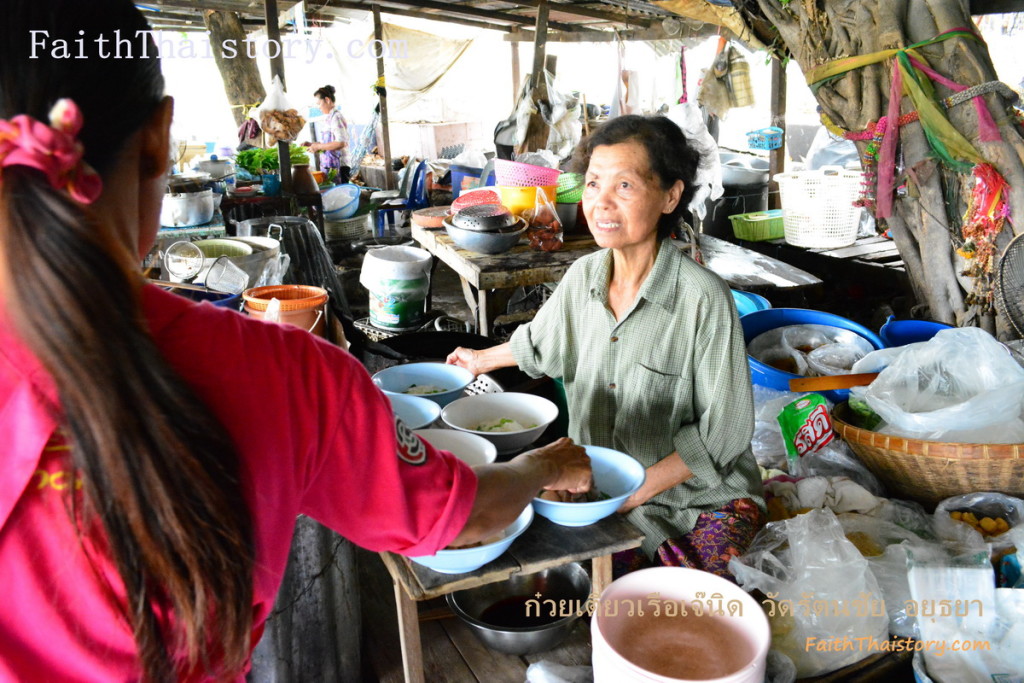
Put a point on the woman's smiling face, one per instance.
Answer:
(623, 199)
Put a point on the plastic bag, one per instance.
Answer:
(544, 229)
(885, 545)
(834, 359)
(551, 672)
(961, 386)
(707, 180)
(974, 631)
(812, 574)
(963, 535)
(767, 443)
(278, 117)
(837, 460)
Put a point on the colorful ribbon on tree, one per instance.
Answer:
(910, 77)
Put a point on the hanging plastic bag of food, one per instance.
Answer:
(544, 229)
(278, 117)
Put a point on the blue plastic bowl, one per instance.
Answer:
(470, 559)
(759, 322)
(399, 379)
(903, 332)
(216, 298)
(348, 201)
(615, 474)
(416, 412)
(747, 302)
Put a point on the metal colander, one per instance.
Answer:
(483, 218)
(1010, 284)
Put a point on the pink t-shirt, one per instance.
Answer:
(314, 435)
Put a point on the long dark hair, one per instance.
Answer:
(160, 473)
(671, 156)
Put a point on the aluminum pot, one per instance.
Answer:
(497, 242)
(187, 209)
(506, 602)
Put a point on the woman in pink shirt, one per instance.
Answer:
(157, 452)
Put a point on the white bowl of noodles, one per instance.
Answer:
(510, 420)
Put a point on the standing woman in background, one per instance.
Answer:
(334, 141)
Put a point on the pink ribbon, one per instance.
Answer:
(988, 131)
(53, 149)
(887, 152)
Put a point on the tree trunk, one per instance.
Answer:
(926, 219)
(238, 71)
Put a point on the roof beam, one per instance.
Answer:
(656, 32)
(456, 8)
(341, 4)
(996, 6)
(567, 8)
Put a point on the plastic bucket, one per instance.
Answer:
(398, 281)
(759, 322)
(748, 302)
(723, 637)
(567, 215)
(519, 199)
(301, 305)
(903, 332)
(463, 178)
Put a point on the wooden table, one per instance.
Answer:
(747, 269)
(542, 546)
(489, 281)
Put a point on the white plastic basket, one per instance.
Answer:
(817, 207)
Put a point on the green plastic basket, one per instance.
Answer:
(758, 226)
(570, 188)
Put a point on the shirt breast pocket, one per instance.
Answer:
(653, 400)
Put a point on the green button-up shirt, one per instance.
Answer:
(671, 376)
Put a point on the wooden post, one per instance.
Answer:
(516, 77)
(777, 157)
(537, 130)
(378, 34)
(277, 69)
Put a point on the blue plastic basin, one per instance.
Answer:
(216, 298)
(746, 302)
(759, 322)
(903, 332)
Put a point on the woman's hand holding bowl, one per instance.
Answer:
(569, 463)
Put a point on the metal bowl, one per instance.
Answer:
(496, 242)
(484, 218)
(489, 610)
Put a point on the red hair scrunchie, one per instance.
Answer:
(53, 149)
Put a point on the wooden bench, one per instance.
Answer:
(542, 546)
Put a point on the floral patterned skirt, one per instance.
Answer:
(716, 538)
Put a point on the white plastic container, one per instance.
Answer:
(636, 638)
(398, 279)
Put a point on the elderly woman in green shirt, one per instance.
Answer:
(649, 346)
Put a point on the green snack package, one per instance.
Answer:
(806, 427)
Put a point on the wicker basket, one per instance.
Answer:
(931, 471)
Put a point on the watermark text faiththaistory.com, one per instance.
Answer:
(118, 45)
(871, 644)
